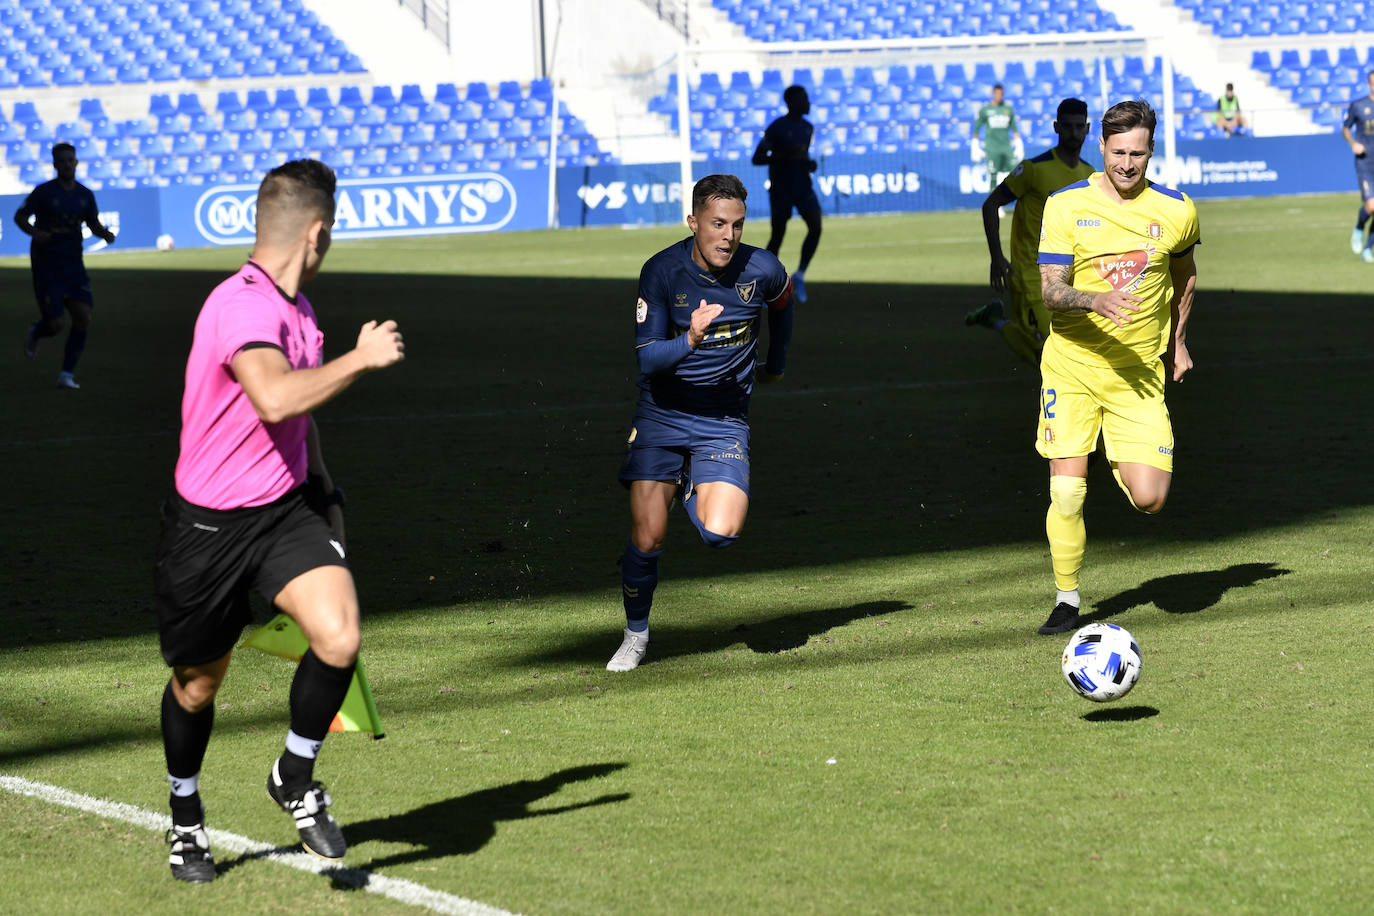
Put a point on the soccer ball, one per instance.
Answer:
(1102, 662)
(164, 242)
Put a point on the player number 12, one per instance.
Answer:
(1047, 399)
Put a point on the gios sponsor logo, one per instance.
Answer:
(375, 207)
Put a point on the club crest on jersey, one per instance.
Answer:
(746, 290)
(641, 310)
(1156, 230)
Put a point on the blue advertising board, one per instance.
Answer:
(132, 215)
(612, 195)
(651, 194)
(368, 208)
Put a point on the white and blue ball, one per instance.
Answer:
(1102, 662)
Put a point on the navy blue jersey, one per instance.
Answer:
(715, 379)
(789, 168)
(62, 213)
(1359, 117)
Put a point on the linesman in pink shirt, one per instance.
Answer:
(255, 508)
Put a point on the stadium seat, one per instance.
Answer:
(351, 97)
(446, 94)
(383, 96)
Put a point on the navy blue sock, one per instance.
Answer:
(638, 579)
(76, 342)
(1362, 218)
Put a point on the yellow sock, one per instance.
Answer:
(1064, 527)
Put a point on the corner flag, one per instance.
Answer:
(281, 637)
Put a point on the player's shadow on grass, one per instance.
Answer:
(778, 634)
(1186, 593)
(463, 825)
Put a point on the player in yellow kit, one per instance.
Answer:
(1025, 325)
(1117, 274)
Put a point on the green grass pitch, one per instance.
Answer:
(849, 711)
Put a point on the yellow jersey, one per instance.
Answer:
(1032, 181)
(1123, 246)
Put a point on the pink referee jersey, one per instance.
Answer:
(230, 458)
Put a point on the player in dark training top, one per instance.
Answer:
(786, 150)
(58, 209)
(696, 337)
(1360, 117)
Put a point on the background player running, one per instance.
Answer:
(786, 150)
(58, 209)
(1360, 117)
(1116, 258)
(1032, 181)
(696, 337)
(249, 511)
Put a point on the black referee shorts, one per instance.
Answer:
(208, 559)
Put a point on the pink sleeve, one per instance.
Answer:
(245, 319)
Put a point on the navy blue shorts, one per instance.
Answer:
(673, 446)
(53, 285)
(782, 200)
(1364, 175)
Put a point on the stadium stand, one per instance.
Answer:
(898, 108)
(824, 20)
(120, 45)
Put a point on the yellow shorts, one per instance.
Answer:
(1126, 405)
(1027, 306)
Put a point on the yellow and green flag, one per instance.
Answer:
(281, 637)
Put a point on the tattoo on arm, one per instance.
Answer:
(1059, 296)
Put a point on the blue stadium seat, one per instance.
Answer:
(336, 117)
(218, 142)
(446, 94)
(252, 141)
(185, 145)
(383, 96)
(351, 97)
(449, 132)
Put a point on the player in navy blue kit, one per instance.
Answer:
(1360, 116)
(59, 208)
(786, 150)
(696, 337)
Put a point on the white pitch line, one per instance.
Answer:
(397, 889)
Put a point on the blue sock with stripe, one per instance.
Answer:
(638, 579)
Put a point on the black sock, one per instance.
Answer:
(1362, 219)
(187, 809)
(317, 692)
(185, 735)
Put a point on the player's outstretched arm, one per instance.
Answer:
(279, 392)
(1183, 273)
(1059, 296)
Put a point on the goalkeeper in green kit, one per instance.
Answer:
(1000, 142)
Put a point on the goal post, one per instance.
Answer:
(995, 51)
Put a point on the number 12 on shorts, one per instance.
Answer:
(1047, 399)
